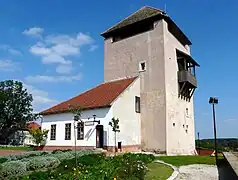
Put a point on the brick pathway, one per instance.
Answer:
(8, 152)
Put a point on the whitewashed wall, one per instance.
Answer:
(129, 121)
(102, 114)
(178, 140)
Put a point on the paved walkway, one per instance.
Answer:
(8, 152)
(232, 159)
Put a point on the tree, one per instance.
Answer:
(15, 108)
(114, 123)
(39, 136)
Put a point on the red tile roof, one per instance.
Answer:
(32, 125)
(100, 96)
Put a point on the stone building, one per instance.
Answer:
(155, 109)
(150, 45)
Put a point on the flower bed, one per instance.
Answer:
(98, 166)
(13, 166)
(60, 165)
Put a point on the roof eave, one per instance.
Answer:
(66, 111)
(109, 32)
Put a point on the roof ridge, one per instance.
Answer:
(154, 8)
(123, 20)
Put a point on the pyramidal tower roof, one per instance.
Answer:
(147, 13)
(141, 14)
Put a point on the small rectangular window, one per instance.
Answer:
(67, 131)
(137, 104)
(142, 66)
(80, 129)
(53, 132)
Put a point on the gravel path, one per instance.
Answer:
(206, 172)
(198, 172)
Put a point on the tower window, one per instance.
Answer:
(173, 124)
(137, 104)
(142, 66)
(186, 111)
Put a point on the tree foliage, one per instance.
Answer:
(114, 123)
(76, 111)
(223, 144)
(39, 136)
(15, 107)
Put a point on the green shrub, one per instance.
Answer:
(2, 160)
(61, 150)
(12, 169)
(93, 167)
(36, 176)
(61, 156)
(146, 158)
(44, 162)
(20, 156)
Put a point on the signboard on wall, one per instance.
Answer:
(89, 123)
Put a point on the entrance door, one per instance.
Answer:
(99, 136)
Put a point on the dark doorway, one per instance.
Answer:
(99, 136)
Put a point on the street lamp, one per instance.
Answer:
(94, 119)
(214, 101)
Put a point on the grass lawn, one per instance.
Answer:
(25, 148)
(187, 160)
(158, 171)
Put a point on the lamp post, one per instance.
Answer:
(198, 145)
(214, 101)
(76, 119)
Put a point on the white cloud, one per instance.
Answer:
(10, 50)
(230, 120)
(64, 69)
(34, 31)
(52, 79)
(39, 49)
(8, 65)
(14, 52)
(59, 49)
(83, 39)
(55, 49)
(65, 49)
(41, 99)
(78, 40)
(54, 58)
(93, 47)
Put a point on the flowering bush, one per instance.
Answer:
(12, 169)
(99, 167)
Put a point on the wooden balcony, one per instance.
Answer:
(187, 77)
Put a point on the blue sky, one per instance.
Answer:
(55, 48)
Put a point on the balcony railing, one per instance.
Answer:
(185, 76)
